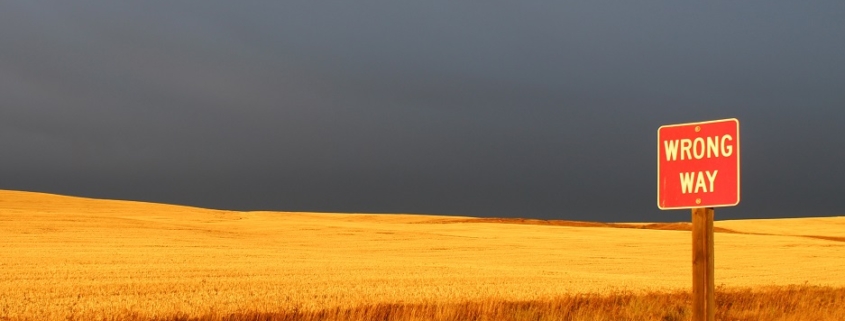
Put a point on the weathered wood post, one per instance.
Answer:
(703, 281)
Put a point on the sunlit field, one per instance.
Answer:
(82, 259)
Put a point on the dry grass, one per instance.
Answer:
(790, 303)
(74, 258)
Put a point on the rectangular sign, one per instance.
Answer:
(698, 164)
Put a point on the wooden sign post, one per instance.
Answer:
(698, 168)
(703, 281)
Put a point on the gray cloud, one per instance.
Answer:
(534, 109)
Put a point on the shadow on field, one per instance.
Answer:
(678, 226)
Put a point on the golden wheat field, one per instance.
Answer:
(76, 258)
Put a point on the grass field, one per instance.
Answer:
(75, 258)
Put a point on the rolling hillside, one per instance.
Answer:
(65, 255)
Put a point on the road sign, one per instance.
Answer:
(698, 165)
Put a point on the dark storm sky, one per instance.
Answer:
(545, 109)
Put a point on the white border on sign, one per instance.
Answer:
(738, 167)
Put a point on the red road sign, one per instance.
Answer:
(698, 164)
